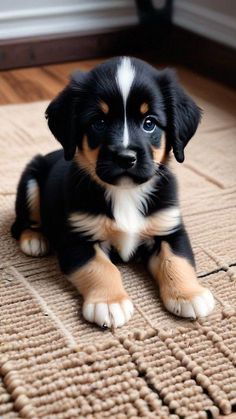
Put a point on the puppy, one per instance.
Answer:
(111, 196)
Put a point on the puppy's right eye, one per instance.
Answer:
(99, 125)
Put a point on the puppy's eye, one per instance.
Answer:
(149, 124)
(99, 125)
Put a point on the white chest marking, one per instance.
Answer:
(124, 78)
(128, 206)
(129, 203)
(129, 226)
(109, 232)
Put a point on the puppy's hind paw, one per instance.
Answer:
(114, 314)
(33, 243)
(200, 305)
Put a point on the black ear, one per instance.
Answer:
(62, 116)
(183, 115)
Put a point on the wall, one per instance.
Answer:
(23, 18)
(214, 19)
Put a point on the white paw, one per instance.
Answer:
(199, 306)
(108, 315)
(34, 245)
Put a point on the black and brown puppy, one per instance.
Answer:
(112, 194)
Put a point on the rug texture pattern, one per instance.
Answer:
(55, 365)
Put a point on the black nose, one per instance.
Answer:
(126, 159)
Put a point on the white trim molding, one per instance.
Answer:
(84, 16)
(205, 21)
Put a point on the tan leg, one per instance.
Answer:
(180, 290)
(105, 299)
(33, 243)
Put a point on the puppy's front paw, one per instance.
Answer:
(114, 314)
(200, 305)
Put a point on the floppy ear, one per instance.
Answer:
(62, 116)
(183, 115)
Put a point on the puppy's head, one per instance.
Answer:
(122, 118)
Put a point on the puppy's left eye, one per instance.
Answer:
(99, 125)
(149, 124)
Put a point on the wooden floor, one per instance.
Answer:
(39, 83)
(43, 83)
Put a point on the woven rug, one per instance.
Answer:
(53, 364)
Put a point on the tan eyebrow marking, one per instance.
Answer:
(104, 107)
(144, 108)
(159, 153)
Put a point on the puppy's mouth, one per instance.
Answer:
(117, 176)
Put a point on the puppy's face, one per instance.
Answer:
(121, 119)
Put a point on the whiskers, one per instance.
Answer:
(160, 171)
(91, 171)
(83, 172)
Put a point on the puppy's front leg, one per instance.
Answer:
(172, 266)
(105, 299)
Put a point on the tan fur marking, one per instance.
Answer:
(144, 108)
(104, 107)
(87, 159)
(112, 233)
(159, 154)
(90, 155)
(162, 222)
(28, 235)
(33, 201)
(99, 280)
(175, 276)
(103, 228)
(33, 243)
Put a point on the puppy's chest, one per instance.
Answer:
(124, 232)
(129, 228)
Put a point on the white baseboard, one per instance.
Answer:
(92, 15)
(81, 17)
(204, 21)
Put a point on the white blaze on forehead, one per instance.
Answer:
(124, 78)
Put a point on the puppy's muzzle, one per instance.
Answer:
(126, 159)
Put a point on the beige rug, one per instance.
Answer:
(55, 365)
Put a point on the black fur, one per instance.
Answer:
(65, 187)
(183, 115)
